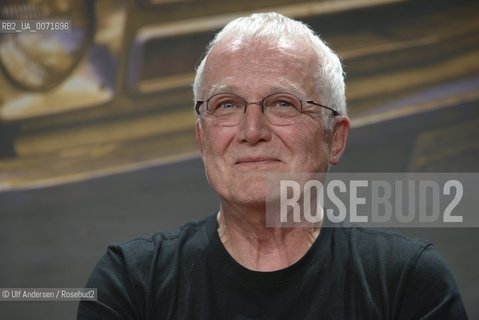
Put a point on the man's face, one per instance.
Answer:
(237, 158)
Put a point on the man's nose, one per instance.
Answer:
(254, 127)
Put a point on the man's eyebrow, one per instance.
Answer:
(289, 88)
(222, 88)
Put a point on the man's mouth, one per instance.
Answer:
(257, 160)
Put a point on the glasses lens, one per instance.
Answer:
(281, 108)
(225, 108)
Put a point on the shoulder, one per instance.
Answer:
(125, 274)
(143, 249)
(381, 244)
(381, 258)
(405, 270)
(136, 259)
(399, 257)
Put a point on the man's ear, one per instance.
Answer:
(199, 136)
(339, 138)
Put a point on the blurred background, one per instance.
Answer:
(97, 125)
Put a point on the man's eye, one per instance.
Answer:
(227, 105)
(284, 104)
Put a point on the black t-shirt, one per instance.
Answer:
(348, 273)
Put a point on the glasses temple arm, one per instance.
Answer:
(335, 113)
(197, 106)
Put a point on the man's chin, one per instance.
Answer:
(246, 188)
(250, 191)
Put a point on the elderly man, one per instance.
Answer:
(270, 98)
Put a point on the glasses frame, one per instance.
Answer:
(261, 102)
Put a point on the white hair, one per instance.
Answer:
(272, 27)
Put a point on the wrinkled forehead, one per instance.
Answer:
(237, 43)
(253, 58)
(287, 49)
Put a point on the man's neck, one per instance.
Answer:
(259, 248)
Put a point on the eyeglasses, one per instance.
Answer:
(279, 108)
